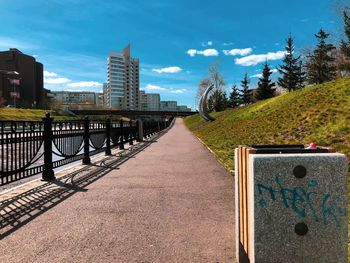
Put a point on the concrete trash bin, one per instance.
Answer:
(291, 204)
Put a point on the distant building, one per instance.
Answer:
(74, 99)
(168, 105)
(183, 108)
(106, 94)
(122, 89)
(149, 101)
(143, 101)
(27, 90)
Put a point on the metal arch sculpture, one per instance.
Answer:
(203, 110)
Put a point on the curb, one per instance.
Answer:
(232, 172)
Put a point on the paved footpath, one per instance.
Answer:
(172, 202)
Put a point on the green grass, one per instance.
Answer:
(319, 114)
(31, 115)
(37, 115)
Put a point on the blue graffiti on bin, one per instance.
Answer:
(301, 201)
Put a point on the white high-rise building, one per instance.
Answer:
(122, 89)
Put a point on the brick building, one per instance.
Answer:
(27, 91)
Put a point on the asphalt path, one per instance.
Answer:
(172, 202)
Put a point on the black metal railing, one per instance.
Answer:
(28, 148)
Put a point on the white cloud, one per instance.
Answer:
(206, 44)
(260, 75)
(206, 52)
(192, 52)
(253, 60)
(56, 80)
(236, 51)
(154, 87)
(84, 84)
(49, 74)
(178, 91)
(168, 70)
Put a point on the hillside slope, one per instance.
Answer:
(319, 114)
(11, 114)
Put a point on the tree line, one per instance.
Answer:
(324, 63)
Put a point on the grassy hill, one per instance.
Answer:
(319, 114)
(12, 114)
(8, 114)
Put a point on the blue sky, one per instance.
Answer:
(176, 41)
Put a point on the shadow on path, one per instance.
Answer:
(19, 210)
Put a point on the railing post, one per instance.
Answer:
(159, 129)
(131, 133)
(108, 137)
(145, 129)
(121, 146)
(48, 173)
(140, 130)
(86, 159)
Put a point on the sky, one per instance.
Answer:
(176, 41)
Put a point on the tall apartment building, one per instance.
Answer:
(149, 101)
(122, 89)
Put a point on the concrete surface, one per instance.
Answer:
(281, 201)
(172, 202)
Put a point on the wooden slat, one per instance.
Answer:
(240, 177)
(243, 186)
(249, 177)
(244, 193)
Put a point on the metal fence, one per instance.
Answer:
(31, 147)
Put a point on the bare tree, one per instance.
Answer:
(216, 77)
(203, 84)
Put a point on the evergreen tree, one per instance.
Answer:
(291, 71)
(265, 88)
(235, 98)
(210, 103)
(301, 76)
(246, 93)
(321, 66)
(345, 44)
(218, 100)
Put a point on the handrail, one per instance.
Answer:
(30, 148)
